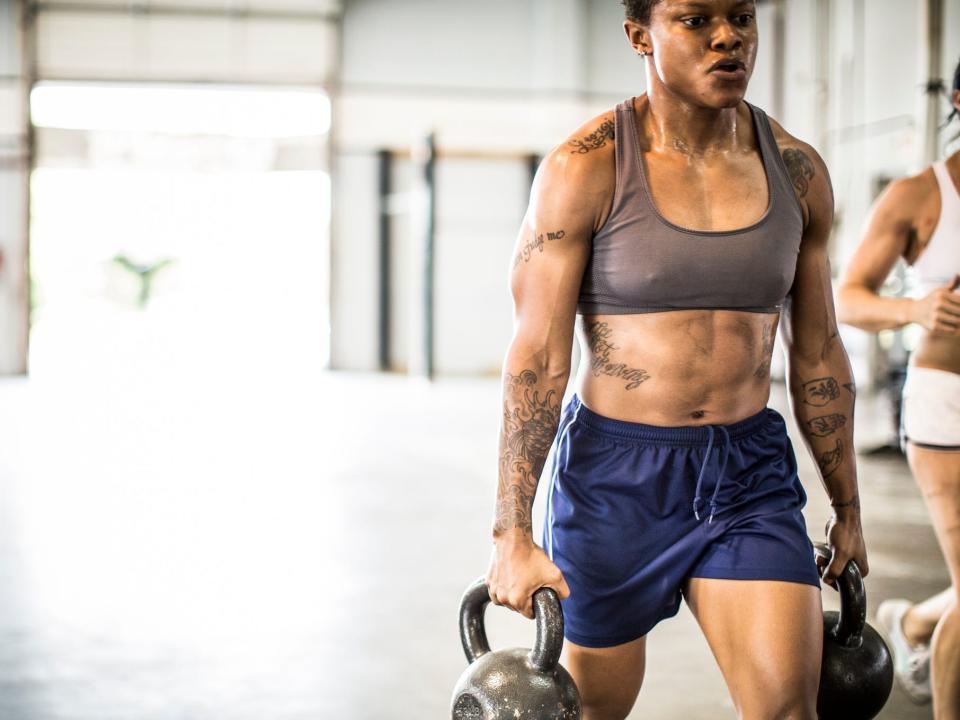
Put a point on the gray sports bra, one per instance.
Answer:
(640, 262)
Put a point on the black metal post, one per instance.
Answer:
(429, 249)
(533, 162)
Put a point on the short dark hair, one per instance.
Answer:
(639, 10)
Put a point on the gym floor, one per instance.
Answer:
(230, 548)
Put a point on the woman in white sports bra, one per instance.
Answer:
(918, 218)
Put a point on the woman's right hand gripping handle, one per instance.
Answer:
(518, 568)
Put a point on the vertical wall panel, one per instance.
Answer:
(760, 92)
(353, 275)
(403, 267)
(613, 66)
(14, 284)
(949, 140)
(480, 206)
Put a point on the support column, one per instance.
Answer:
(429, 251)
(422, 205)
(779, 43)
(823, 26)
(933, 49)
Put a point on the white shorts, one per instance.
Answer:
(930, 415)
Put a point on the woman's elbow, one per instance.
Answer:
(849, 300)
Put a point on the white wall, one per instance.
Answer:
(480, 204)
(353, 270)
(286, 41)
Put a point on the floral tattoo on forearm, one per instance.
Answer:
(530, 419)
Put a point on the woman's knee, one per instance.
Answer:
(606, 708)
(609, 679)
(602, 701)
(792, 696)
(789, 707)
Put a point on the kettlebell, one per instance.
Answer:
(857, 671)
(514, 684)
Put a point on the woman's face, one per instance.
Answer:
(702, 50)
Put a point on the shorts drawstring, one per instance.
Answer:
(697, 500)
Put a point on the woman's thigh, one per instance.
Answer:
(938, 475)
(609, 679)
(767, 637)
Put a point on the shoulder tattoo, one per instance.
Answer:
(800, 168)
(595, 140)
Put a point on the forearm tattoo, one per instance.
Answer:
(828, 431)
(831, 459)
(530, 419)
(536, 243)
(801, 169)
(595, 140)
(854, 503)
(821, 391)
(598, 340)
(826, 424)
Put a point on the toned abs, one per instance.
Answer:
(687, 367)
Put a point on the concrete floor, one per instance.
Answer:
(234, 547)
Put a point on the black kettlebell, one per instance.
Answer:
(857, 671)
(514, 684)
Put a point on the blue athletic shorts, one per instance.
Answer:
(635, 510)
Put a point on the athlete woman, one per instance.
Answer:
(679, 227)
(918, 218)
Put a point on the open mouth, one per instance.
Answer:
(728, 67)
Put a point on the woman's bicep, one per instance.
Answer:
(884, 241)
(553, 246)
(545, 283)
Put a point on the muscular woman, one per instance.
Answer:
(680, 227)
(918, 219)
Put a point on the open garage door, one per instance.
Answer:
(180, 179)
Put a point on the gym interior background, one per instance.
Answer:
(253, 305)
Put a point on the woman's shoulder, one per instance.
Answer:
(910, 192)
(586, 159)
(791, 146)
(594, 136)
(808, 174)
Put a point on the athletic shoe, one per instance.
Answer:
(911, 664)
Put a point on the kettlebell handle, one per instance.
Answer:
(549, 617)
(853, 601)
